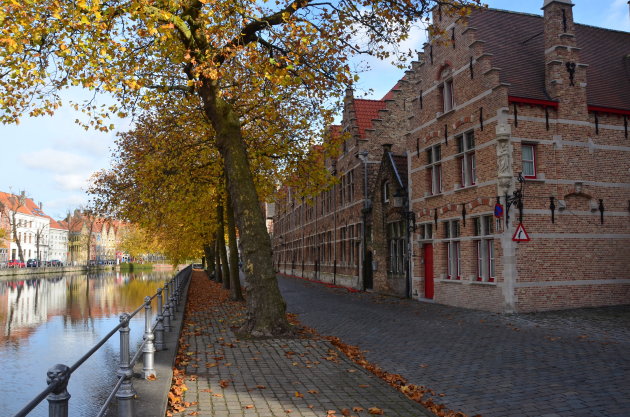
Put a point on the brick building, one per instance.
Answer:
(505, 119)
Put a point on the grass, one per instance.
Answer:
(131, 267)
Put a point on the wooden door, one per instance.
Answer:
(428, 271)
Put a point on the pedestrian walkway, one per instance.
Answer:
(219, 375)
(555, 364)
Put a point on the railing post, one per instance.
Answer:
(159, 327)
(176, 294)
(167, 313)
(126, 393)
(172, 304)
(58, 399)
(149, 349)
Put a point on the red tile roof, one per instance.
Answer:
(28, 207)
(365, 111)
(516, 41)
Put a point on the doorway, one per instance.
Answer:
(428, 270)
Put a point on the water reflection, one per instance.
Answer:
(56, 319)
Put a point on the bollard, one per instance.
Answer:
(58, 398)
(159, 327)
(167, 313)
(149, 349)
(126, 393)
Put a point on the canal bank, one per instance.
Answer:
(11, 273)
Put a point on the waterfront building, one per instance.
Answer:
(496, 172)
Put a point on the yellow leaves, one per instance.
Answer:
(10, 44)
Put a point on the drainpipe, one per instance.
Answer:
(363, 156)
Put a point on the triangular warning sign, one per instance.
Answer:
(520, 235)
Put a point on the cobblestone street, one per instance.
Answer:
(567, 363)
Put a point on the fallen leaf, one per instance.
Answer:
(249, 406)
(375, 410)
(151, 378)
(261, 386)
(299, 394)
(357, 409)
(345, 411)
(423, 365)
(313, 391)
(363, 385)
(224, 383)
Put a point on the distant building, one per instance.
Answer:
(28, 227)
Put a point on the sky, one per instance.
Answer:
(52, 158)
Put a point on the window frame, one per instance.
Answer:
(434, 167)
(385, 191)
(466, 157)
(448, 97)
(533, 147)
(485, 251)
(453, 250)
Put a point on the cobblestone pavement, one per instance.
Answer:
(226, 376)
(568, 363)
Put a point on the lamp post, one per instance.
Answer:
(409, 218)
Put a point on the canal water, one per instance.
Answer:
(51, 319)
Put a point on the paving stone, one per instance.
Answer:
(571, 362)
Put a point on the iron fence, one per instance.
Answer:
(57, 377)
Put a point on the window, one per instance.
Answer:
(528, 151)
(346, 190)
(426, 231)
(397, 245)
(484, 240)
(385, 191)
(453, 252)
(447, 96)
(434, 158)
(466, 158)
(342, 243)
(351, 245)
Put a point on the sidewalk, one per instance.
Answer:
(219, 375)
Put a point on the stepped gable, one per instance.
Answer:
(365, 111)
(516, 41)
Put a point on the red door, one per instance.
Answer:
(428, 271)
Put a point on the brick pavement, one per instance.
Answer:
(555, 364)
(226, 376)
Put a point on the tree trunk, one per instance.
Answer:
(235, 282)
(218, 276)
(208, 250)
(17, 239)
(225, 266)
(266, 309)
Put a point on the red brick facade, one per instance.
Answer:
(499, 94)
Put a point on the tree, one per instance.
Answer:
(228, 54)
(10, 206)
(40, 239)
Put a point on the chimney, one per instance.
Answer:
(565, 75)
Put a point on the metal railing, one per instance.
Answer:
(57, 377)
